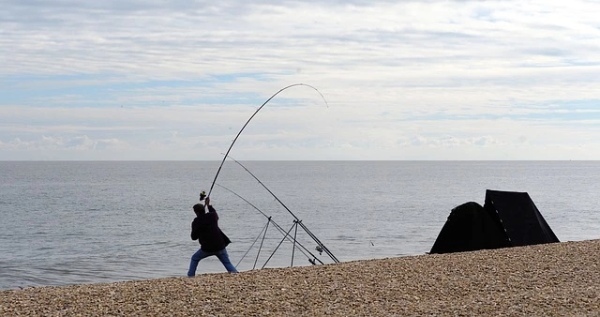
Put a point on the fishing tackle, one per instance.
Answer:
(319, 249)
(252, 116)
(286, 235)
(298, 221)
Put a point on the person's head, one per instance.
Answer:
(199, 209)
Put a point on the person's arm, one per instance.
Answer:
(194, 235)
(211, 209)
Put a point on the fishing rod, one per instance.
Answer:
(320, 245)
(243, 127)
(286, 234)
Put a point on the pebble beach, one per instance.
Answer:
(559, 279)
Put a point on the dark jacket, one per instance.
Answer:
(205, 229)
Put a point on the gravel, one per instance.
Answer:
(559, 279)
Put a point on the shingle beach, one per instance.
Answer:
(560, 279)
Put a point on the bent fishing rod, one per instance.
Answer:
(320, 244)
(248, 121)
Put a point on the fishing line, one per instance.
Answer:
(243, 127)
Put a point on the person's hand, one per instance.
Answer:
(207, 201)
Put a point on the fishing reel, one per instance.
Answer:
(202, 195)
(319, 248)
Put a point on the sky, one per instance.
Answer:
(383, 80)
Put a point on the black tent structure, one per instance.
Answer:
(507, 219)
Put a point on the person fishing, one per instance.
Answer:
(205, 229)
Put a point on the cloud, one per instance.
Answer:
(403, 80)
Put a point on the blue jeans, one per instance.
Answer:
(199, 255)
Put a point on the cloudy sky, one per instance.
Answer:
(400, 80)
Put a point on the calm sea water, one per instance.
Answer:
(89, 222)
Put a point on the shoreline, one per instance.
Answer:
(558, 279)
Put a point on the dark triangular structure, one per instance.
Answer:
(469, 227)
(507, 219)
(521, 220)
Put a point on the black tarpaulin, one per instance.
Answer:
(507, 219)
(522, 221)
(469, 227)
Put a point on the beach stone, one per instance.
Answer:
(559, 279)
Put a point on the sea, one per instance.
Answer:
(83, 222)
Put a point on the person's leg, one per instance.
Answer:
(199, 255)
(224, 258)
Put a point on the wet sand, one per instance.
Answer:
(560, 279)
